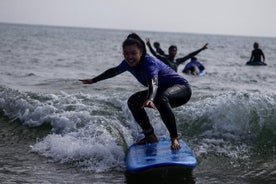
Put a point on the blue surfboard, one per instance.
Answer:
(156, 155)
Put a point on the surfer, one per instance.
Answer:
(257, 54)
(194, 67)
(158, 49)
(170, 59)
(166, 88)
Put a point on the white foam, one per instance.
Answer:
(92, 132)
(96, 151)
(83, 133)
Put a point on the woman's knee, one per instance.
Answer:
(136, 100)
(178, 95)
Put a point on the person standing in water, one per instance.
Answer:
(257, 54)
(165, 88)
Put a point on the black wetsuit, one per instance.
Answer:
(256, 55)
(160, 51)
(174, 63)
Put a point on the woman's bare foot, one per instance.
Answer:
(175, 144)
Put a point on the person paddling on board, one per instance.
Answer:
(257, 54)
(170, 59)
(166, 88)
(194, 67)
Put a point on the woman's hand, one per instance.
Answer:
(86, 81)
(149, 103)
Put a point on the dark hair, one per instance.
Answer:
(256, 45)
(172, 47)
(156, 44)
(134, 39)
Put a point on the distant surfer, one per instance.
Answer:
(257, 55)
(194, 67)
(170, 59)
(158, 49)
(166, 88)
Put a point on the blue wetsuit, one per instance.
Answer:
(168, 90)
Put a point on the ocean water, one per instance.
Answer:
(54, 129)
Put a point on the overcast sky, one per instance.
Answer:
(230, 17)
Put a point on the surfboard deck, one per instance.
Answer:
(159, 155)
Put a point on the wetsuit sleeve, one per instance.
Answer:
(252, 55)
(185, 58)
(153, 86)
(112, 72)
(201, 68)
(263, 55)
(151, 49)
(160, 51)
(163, 58)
